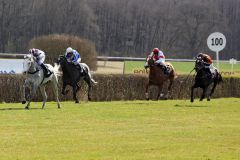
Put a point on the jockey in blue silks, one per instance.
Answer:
(39, 57)
(73, 56)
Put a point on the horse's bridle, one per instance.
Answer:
(151, 60)
(30, 59)
(199, 65)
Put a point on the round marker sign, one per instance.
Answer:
(216, 41)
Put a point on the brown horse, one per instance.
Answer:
(158, 78)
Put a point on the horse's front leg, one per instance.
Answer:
(34, 90)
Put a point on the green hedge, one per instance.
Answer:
(117, 87)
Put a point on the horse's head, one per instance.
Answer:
(199, 64)
(150, 61)
(62, 60)
(29, 63)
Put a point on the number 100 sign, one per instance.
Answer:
(216, 41)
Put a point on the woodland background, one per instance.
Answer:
(124, 27)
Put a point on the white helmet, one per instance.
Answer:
(69, 50)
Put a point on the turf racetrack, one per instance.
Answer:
(124, 130)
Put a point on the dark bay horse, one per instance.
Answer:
(72, 75)
(158, 78)
(203, 80)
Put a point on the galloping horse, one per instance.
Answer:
(203, 80)
(158, 78)
(72, 75)
(35, 79)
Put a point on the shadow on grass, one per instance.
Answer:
(190, 105)
(18, 109)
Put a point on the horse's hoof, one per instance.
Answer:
(208, 99)
(192, 100)
(76, 101)
(23, 102)
(27, 108)
(147, 99)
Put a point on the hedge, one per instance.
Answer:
(117, 87)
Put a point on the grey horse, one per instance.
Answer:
(35, 79)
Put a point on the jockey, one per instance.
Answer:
(74, 57)
(159, 59)
(39, 57)
(208, 62)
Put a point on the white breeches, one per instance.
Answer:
(161, 61)
(40, 59)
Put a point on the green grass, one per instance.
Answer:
(181, 67)
(124, 130)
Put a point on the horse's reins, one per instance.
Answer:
(185, 80)
(33, 72)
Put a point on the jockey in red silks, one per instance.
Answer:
(40, 58)
(208, 62)
(159, 59)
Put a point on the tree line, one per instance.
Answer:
(126, 27)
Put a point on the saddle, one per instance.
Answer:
(165, 68)
(46, 71)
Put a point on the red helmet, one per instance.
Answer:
(155, 50)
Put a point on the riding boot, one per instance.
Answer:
(46, 72)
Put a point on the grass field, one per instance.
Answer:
(124, 130)
(181, 67)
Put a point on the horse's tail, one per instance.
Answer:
(173, 70)
(56, 69)
(88, 72)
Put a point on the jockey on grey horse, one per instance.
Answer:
(39, 57)
(36, 79)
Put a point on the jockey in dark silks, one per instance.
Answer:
(74, 57)
(159, 59)
(39, 58)
(208, 63)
